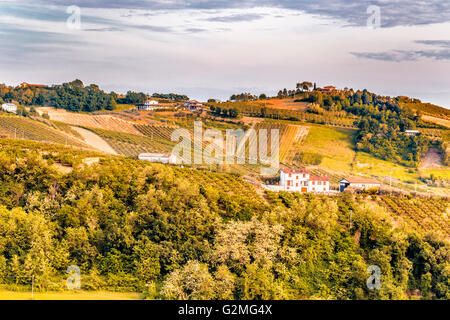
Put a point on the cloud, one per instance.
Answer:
(438, 43)
(195, 30)
(354, 12)
(404, 55)
(106, 29)
(393, 56)
(236, 17)
(412, 55)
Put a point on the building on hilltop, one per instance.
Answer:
(27, 85)
(327, 89)
(151, 105)
(194, 105)
(359, 184)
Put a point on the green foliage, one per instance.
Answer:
(309, 158)
(178, 233)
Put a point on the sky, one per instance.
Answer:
(212, 49)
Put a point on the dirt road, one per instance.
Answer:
(94, 140)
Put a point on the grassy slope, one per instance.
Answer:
(338, 148)
(336, 145)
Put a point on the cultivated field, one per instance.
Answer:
(335, 145)
(441, 121)
(16, 127)
(285, 104)
(106, 121)
(420, 214)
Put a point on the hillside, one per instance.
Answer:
(143, 227)
(22, 128)
(326, 149)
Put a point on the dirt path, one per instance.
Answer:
(431, 160)
(95, 141)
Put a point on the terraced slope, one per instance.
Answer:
(421, 214)
(23, 128)
(131, 145)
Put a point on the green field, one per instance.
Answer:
(336, 146)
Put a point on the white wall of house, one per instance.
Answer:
(319, 186)
(160, 158)
(294, 181)
(303, 182)
(9, 107)
(358, 185)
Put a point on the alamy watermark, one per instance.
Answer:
(237, 147)
(73, 282)
(73, 22)
(374, 19)
(374, 281)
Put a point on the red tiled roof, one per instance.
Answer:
(24, 84)
(289, 170)
(361, 180)
(319, 178)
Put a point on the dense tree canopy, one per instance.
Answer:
(174, 234)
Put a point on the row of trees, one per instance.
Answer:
(75, 96)
(171, 96)
(72, 96)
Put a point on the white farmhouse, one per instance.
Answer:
(302, 181)
(158, 157)
(9, 107)
(149, 105)
(359, 183)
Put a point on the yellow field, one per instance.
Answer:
(69, 295)
(285, 104)
(442, 122)
(336, 145)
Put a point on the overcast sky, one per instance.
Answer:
(215, 48)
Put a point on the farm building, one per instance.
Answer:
(412, 132)
(9, 107)
(158, 157)
(194, 105)
(358, 183)
(327, 89)
(301, 181)
(27, 85)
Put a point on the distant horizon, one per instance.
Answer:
(216, 48)
(204, 98)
